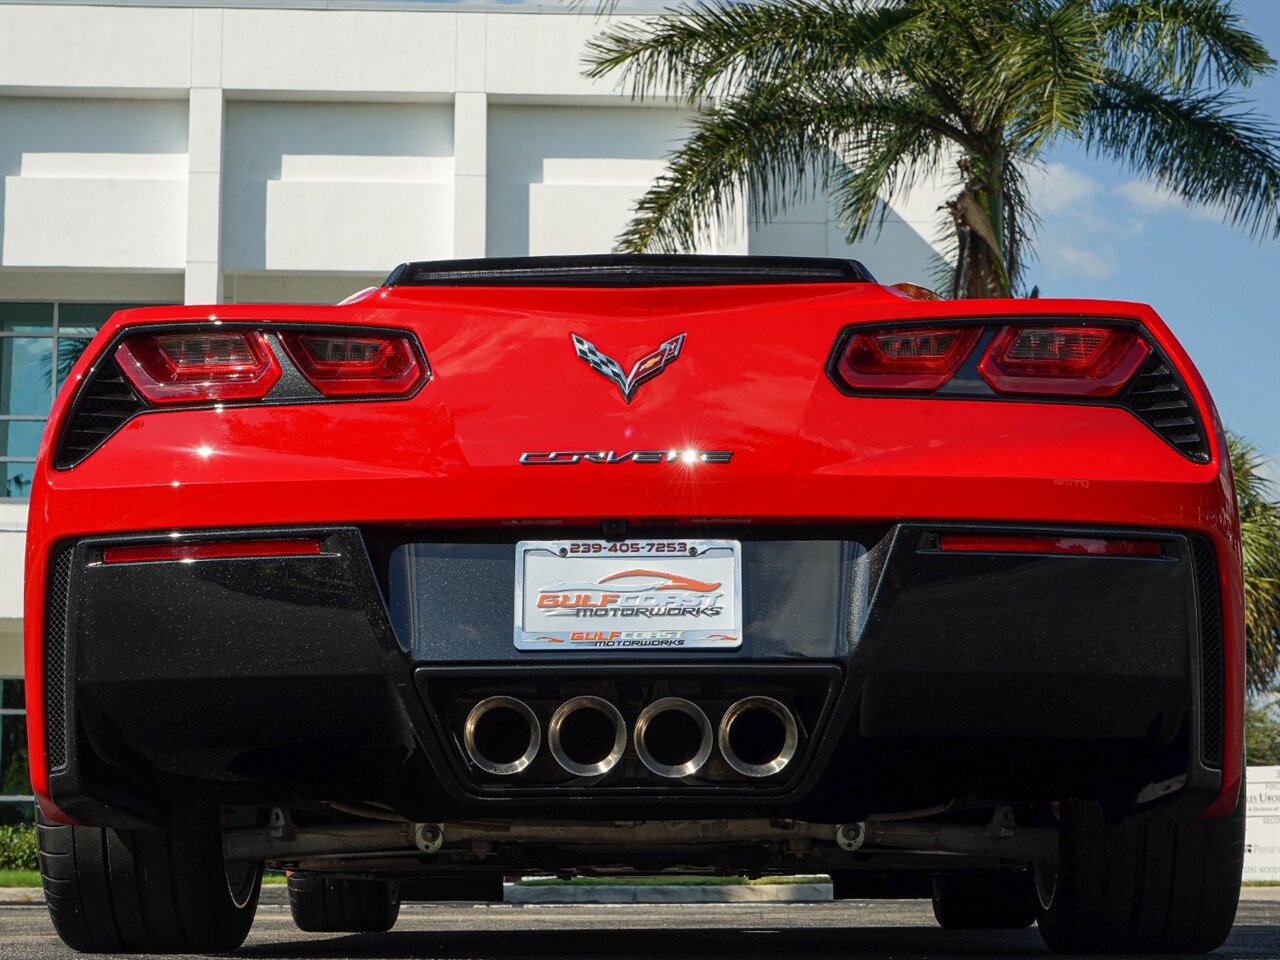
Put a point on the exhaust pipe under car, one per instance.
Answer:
(501, 735)
(758, 736)
(673, 737)
(587, 736)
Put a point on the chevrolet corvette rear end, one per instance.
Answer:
(636, 565)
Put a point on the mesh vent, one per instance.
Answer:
(1159, 398)
(105, 403)
(55, 659)
(1209, 606)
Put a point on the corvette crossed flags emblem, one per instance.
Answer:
(646, 368)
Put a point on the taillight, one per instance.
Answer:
(905, 358)
(373, 364)
(1075, 361)
(199, 366)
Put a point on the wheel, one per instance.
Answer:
(995, 901)
(1159, 888)
(321, 905)
(147, 891)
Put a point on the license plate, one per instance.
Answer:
(631, 595)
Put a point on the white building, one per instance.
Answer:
(200, 152)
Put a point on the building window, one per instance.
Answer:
(39, 343)
(15, 779)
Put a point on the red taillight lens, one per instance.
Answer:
(372, 364)
(995, 543)
(906, 358)
(1075, 361)
(160, 552)
(200, 366)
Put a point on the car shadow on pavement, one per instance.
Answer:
(670, 944)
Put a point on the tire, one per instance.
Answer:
(994, 901)
(1159, 888)
(321, 905)
(146, 891)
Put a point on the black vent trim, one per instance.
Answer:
(55, 658)
(1159, 398)
(1209, 609)
(627, 270)
(106, 402)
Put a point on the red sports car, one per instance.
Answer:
(636, 565)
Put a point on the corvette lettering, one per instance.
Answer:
(568, 457)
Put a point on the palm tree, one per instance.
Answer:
(863, 98)
(1260, 532)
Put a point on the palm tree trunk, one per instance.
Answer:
(980, 270)
(978, 212)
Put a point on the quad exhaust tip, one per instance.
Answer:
(673, 737)
(587, 736)
(758, 736)
(501, 735)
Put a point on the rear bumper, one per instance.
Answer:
(919, 677)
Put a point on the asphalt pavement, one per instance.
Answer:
(870, 930)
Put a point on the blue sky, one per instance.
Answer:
(1106, 234)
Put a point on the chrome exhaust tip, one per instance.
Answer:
(758, 736)
(501, 735)
(673, 737)
(587, 736)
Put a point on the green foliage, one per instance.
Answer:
(18, 848)
(20, 878)
(15, 778)
(1261, 735)
(1260, 536)
(865, 98)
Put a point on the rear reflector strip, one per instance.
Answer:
(967, 543)
(223, 550)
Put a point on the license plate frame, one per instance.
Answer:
(591, 585)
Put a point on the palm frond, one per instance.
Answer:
(1182, 43)
(772, 145)
(1020, 225)
(1260, 536)
(887, 87)
(706, 49)
(1199, 146)
(1040, 73)
(880, 163)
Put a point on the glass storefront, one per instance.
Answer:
(40, 341)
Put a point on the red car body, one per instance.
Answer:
(753, 377)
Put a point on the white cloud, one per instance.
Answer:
(1152, 198)
(1063, 258)
(1055, 187)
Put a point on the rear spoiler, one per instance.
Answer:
(627, 270)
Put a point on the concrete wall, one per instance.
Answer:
(274, 142)
(336, 186)
(93, 183)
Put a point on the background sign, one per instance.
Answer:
(1262, 826)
